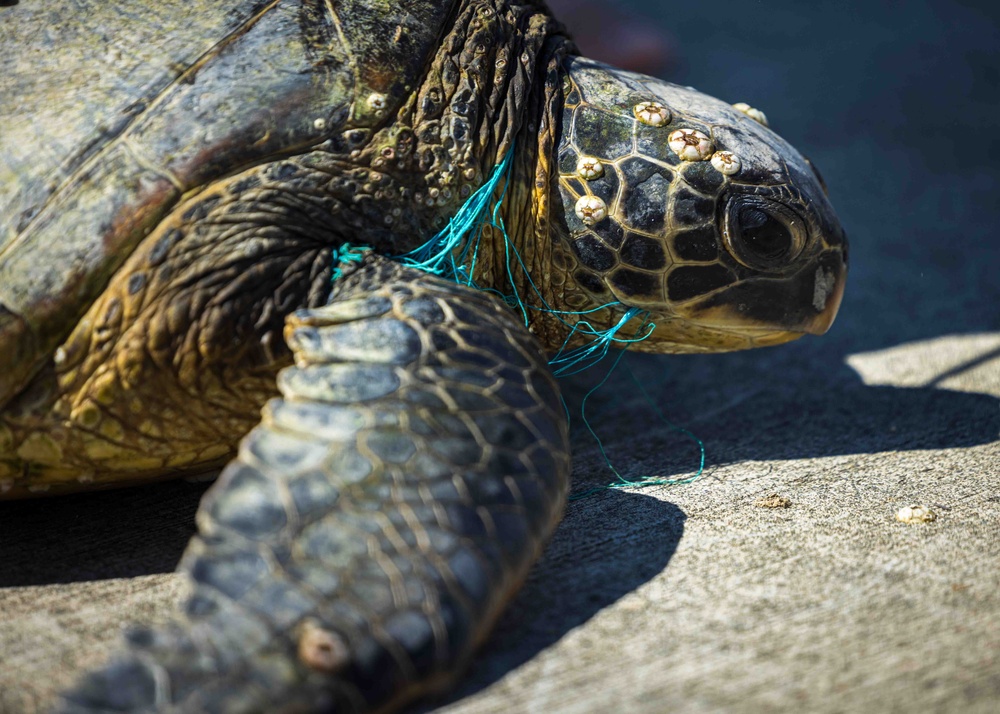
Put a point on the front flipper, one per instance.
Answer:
(375, 523)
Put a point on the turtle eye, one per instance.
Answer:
(762, 234)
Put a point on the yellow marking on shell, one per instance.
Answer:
(690, 144)
(40, 448)
(127, 461)
(915, 514)
(217, 451)
(726, 162)
(756, 114)
(86, 415)
(182, 459)
(97, 449)
(112, 429)
(652, 113)
(149, 428)
(591, 210)
(589, 168)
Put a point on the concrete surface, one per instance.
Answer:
(695, 598)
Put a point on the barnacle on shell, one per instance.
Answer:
(591, 210)
(756, 114)
(652, 113)
(690, 144)
(589, 168)
(726, 162)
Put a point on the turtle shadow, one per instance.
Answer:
(767, 406)
(857, 420)
(606, 547)
(122, 533)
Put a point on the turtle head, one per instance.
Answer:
(693, 209)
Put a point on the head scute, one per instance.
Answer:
(712, 223)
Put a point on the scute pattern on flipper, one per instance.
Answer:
(353, 552)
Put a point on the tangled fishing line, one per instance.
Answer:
(452, 254)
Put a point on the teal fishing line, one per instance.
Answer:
(642, 481)
(680, 429)
(573, 361)
(347, 253)
(447, 251)
(452, 253)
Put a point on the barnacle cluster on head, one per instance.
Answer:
(649, 174)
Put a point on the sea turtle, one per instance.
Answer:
(208, 204)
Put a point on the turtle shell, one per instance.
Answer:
(113, 113)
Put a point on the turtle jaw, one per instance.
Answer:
(759, 311)
(666, 332)
(804, 302)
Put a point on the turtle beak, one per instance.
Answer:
(828, 291)
(803, 302)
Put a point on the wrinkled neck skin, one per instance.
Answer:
(494, 86)
(531, 263)
(533, 218)
(398, 187)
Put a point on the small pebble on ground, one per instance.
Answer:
(773, 501)
(915, 514)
